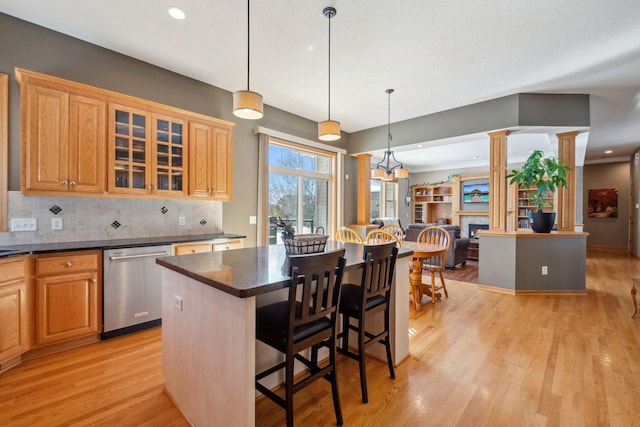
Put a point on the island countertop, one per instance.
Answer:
(252, 271)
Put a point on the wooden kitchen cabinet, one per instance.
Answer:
(82, 140)
(64, 138)
(210, 160)
(68, 296)
(14, 311)
(146, 152)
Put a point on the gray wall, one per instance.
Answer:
(609, 232)
(28, 46)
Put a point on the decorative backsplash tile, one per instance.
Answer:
(87, 219)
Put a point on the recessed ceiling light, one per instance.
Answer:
(176, 13)
(608, 152)
(419, 145)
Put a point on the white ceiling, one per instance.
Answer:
(437, 55)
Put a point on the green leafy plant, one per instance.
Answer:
(545, 173)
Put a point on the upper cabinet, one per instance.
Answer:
(63, 139)
(210, 160)
(145, 152)
(78, 139)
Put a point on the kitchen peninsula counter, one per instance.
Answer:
(209, 351)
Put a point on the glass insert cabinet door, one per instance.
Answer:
(129, 137)
(168, 138)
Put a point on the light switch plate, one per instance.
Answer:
(177, 302)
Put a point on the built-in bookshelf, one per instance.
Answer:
(433, 203)
(525, 206)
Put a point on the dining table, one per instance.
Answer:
(421, 252)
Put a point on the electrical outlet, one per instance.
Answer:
(545, 270)
(252, 219)
(56, 223)
(182, 221)
(24, 224)
(177, 302)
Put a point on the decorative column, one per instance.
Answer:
(498, 180)
(566, 203)
(364, 190)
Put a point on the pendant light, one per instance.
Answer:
(246, 103)
(384, 171)
(329, 130)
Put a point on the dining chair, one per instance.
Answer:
(306, 320)
(346, 234)
(395, 229)
(361, 301)
(375, 237)
(436, 264)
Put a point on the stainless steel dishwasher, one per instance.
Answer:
(132, 295)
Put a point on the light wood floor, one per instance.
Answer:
(477, 359)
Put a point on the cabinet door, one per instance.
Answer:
(87, 137)
(169, 135)
(13, 310)
(222, 164)
(199, 158)
(129, 150)
(210, 161)
(45, 121)
(67, 307)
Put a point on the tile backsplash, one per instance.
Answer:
(85, 218)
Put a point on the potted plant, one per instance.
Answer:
(545, 174)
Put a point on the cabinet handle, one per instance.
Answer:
(63, 182)
(68, 264)
(149, 186)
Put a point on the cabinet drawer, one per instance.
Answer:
(63, 264)
(11, 270)
(231, 244)
(192, 248)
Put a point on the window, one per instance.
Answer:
(298, 182)
(384, 199)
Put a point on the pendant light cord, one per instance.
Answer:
(329, 66)
(248, 40)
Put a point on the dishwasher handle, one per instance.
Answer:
(147, 255)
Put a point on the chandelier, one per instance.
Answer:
(384, 170)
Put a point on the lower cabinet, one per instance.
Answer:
(68, 296)
(14, 319)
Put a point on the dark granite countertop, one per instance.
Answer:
(253, 271)
(113, 244)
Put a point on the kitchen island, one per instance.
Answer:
(209, 352)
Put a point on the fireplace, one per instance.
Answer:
(473, 229)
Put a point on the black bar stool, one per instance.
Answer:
(359, 302)
(306, 320)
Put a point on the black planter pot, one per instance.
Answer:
(542, 222)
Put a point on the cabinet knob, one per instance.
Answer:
(72, 183)
(193, 251)
(94, 280)
(63, 182)
(68, 264)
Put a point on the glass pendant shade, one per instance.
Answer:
(329, 130)
(247, 104)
